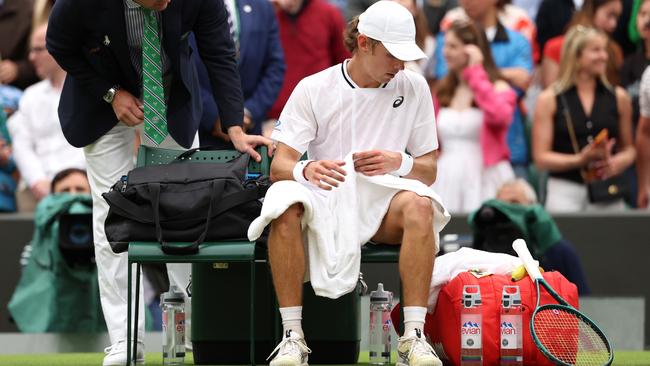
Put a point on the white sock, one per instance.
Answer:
(292, 319)
(414, 318)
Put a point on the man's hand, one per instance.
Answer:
(40, 189)
(248, 123)
(218, 132)
(376, 162)
(246, 143)
(325, 174)
(8, 72)
(127, 108)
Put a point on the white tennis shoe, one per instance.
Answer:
(292, 351)
(116, 354)
(414, 350)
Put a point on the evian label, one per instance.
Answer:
(470, 331)
(510, 331)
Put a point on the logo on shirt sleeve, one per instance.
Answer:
(398, 102)
(277, 125)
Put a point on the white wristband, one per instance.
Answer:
(406, 166)
(298, 171)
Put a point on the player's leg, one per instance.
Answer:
(287, 261)
(409, 220)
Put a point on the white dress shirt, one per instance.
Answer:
(39, 147)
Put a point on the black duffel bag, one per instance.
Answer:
(183, 202)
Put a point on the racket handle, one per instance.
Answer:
(532, 266)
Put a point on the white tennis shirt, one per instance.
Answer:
(328, 116)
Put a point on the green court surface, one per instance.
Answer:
(622, 358)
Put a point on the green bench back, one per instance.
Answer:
(148, 155)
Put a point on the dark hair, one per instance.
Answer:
(585, 16)
(502, 3)
(469, 33)
(350, 36)
(64, 174)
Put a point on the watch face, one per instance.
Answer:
(108, 97)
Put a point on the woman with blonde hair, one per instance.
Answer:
(600, 14)
(582, 129)
(476, 106)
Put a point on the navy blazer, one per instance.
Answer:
(261, 67)
(88, 39)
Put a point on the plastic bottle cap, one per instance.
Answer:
(173, 295)
(380, 295)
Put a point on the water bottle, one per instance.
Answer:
(471, 323)
(512, 352)
(173, 326)
(380, 305)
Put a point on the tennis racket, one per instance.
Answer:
(563, 334)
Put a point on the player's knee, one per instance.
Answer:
(289, 220)
(418, 212)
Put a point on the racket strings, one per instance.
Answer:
(569, 338)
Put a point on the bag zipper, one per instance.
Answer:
(125, 180)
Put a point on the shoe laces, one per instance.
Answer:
(419, 345)
(289, 346)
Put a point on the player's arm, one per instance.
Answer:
(284, 161)
(425, 168)
(287, 165)
(377, 162)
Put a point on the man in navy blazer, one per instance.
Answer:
(99, 44)
(261, 69)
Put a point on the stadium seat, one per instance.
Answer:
(223, 251)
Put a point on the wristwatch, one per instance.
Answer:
(110, 94)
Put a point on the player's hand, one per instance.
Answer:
(8, 72)
(325, 174)
(127, 108)
(245, 143)
(40, 189)
(376, 162)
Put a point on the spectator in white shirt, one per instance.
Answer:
(40, 149)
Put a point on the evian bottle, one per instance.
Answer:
(512, 352)
(471, 324)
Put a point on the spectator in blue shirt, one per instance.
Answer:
(513, 56)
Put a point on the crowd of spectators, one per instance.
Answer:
(485, 58)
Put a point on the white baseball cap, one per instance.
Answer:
(393, 25)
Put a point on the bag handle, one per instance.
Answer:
(193, 248)
(145, 215)
(572, 132)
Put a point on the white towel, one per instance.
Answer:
(337, 223)
(452, 264)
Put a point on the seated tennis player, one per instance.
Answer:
(367, 125)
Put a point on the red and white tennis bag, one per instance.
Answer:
(443, 327)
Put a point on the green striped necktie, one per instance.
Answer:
(155, 110)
